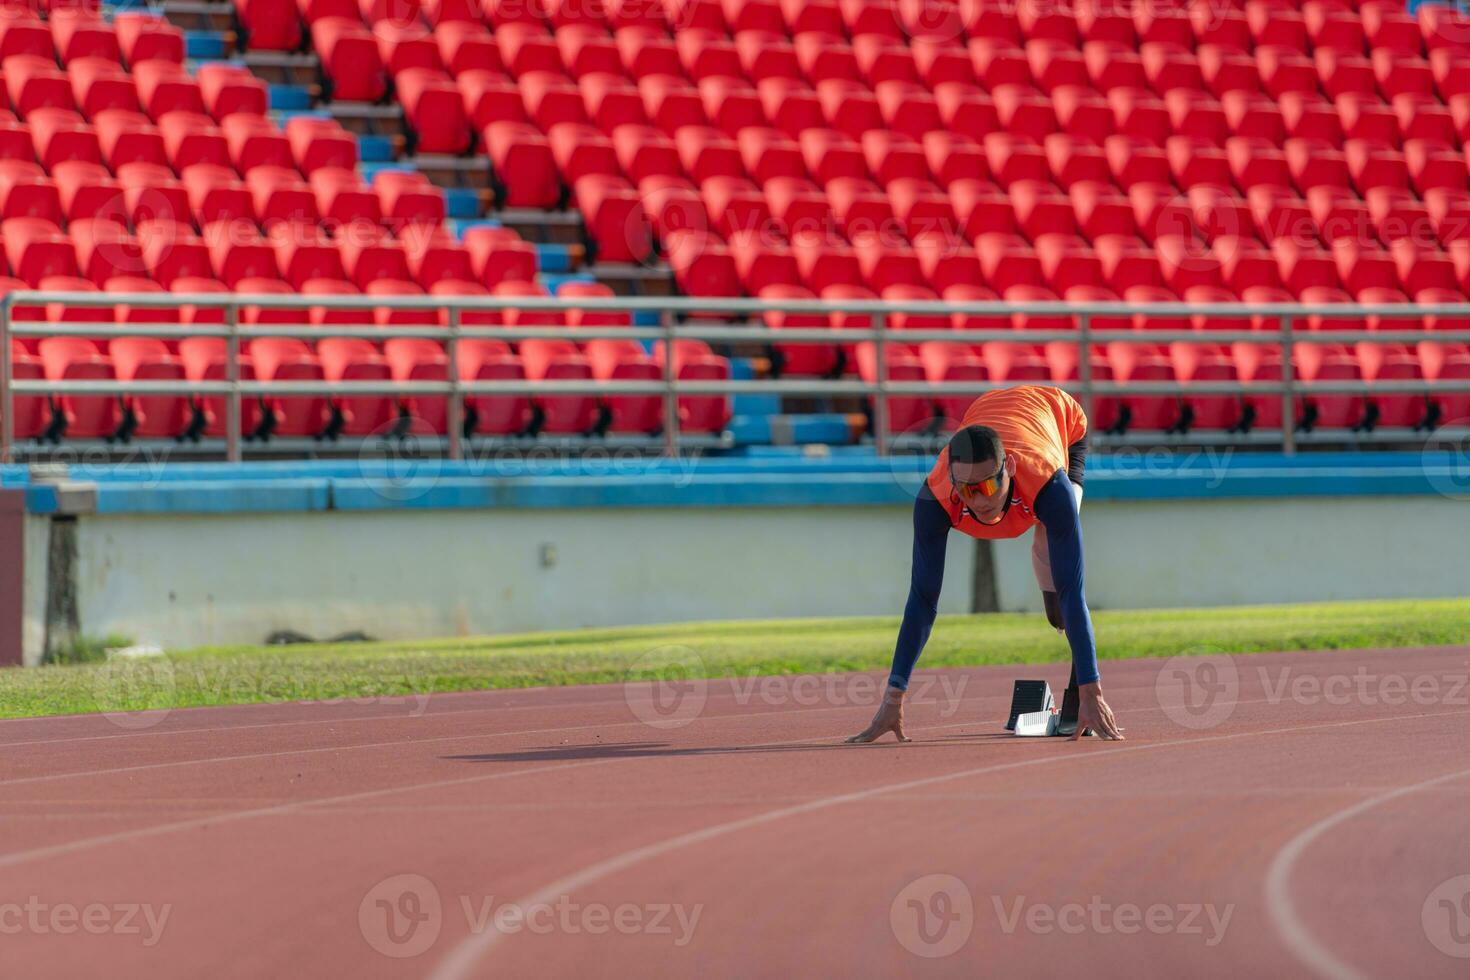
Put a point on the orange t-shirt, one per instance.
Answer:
(1036, 424)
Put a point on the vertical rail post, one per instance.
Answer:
(1288, 393)
(1084, 363)
(880, 396)
(671, 397)
(234, 418)
(7, 396)
(456, 393)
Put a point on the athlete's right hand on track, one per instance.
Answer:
(1093, 712)
(888, 719)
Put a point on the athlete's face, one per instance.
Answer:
(984, 487)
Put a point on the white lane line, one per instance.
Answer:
(1283, 913)
(459, 963)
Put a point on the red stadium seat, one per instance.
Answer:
(523, 163)
(349, 58)
(80, 359)
(408, 198)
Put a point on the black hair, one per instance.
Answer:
(974, 444)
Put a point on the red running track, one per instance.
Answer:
(1272, 815)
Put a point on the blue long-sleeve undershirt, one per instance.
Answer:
(1056, 509)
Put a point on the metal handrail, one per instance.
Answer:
(879, 332)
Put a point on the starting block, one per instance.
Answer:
(1034, 711)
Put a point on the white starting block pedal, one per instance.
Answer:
(1038, 722)
(1034, 711)
(1028, 697)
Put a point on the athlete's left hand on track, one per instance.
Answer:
(1093, 712)
(888, 719)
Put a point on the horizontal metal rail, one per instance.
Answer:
(1277, 326)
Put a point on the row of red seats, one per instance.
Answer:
(73, 33)
(1186, 363)
(156, 87)
(334, 359)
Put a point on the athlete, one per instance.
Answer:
(1015, 463)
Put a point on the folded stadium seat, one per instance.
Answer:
(1073, 160)
(1286, 70)
(490, 96)
(905, 293)
(230, 89)
(415, 359)
(884, 59)
(1259, 363)
(761, 261)
(999, 61)
(270, 25)
(1389, 28)
(289, 359)
(1362, 265)
(1154, 321)
(31, 412)
(1225, 70)
(23, 33)
(467, 46)
(350, 359)
(790, 105)
(1326, 296)
(37, 249)
(971, 293)
(1186, 262)
(1139, 115)
(1437, 362)
(1159, 210)
(349, 59)
(1068, 261)
(940, 59)
(768, 154)
(1278, 212)
(849, 107)
(523, 165)
(1055, 63)
(15, 139)
(908, 108)
(62, 313)
(922, 209)
(62, 134)
(164, 87)
(1424, 117)
(434, 256)
(1219, 211)
(1341, 72)
(434, 109)
(702, 265)
(1127, 261)
(704, 15)
(1422, 267)
(806, 359)
(526, 47)
(828, 155)
(1451, 73)
(1314, 163)
(1255, 161)
(99, 84)
(1365, 116)
(1433, 297)
(1384, 296)
(645, 51)
(280, 195)
(1113, 65)
(1139, 363)
(707, 54)
(1325, 410)
(489, 361)
(861, 208)
(1339, 213)
(1449, 210)
(559, 360)
(403, 42)
(80, 359)
(1212, 295)
(753, 15)
(952, 157)
(144, 313)
(825, 262)
(251, 313)
(304, 252)
(616, 221)
(1398, 74)
(1434, 165)
(1016, 363)
(673, 202)
(1012, 158)
(172, 250)
(342, 197)
(1245, 262)
(587, 49)
(192, 313)
(671, 103)
(1135, 160)
(1201, 363)
(1200, 116)
(766, 54)
(407, 197)
(731, 204)
(981, 207)
(1083, 113)
(1170, 66)
(886, 263)
(370, 253)
(1099, 208)
(87, 190)
(906, 413)
(694, 361)
(464, 288)
(1027, 293)
(149, 37)
(1096, 20)
(1007, 260)
(81, 33)
(1441, 27)
(880, 18)
(507, 15)
(148, 359)
(325, 314)
(551, 98)
(610, 101)
(705, 152)
(192, 137)
(1025, 111)
(1304, 265)
(1196, 161)
(952, 363)
(1310, 116)
(385, 316)
(255, 141)
(966, 109)
(149, 191)
(105, 249)
(624, 360)
(499, 255)
(1256, 295)
(36, 83)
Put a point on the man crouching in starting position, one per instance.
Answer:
(1015, 463)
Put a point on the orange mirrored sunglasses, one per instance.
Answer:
(987, 487)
